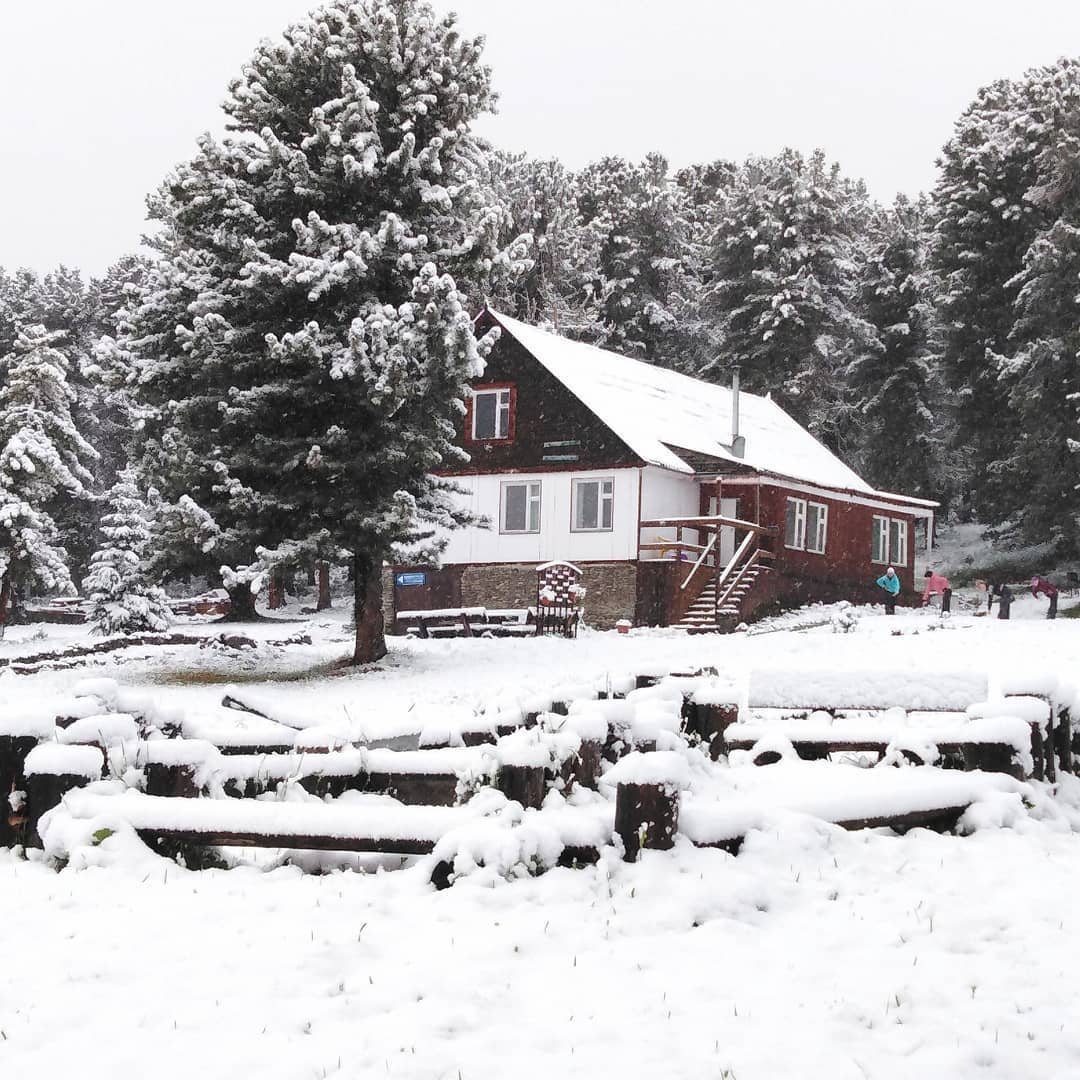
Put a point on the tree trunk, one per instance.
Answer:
(241, 605)
(275, 597)
(367, 609)
(5, 601)
(323, 601)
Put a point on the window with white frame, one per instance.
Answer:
(898, 542)
(817, 527)
(593, 504)
(520, 510)
(795, 524)
(879, 540)
(889, 541)
(806, 525)
(491, 414)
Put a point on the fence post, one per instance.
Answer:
(523, 784)
(13, 751)
(646, 816)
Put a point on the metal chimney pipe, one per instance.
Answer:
(738, 443)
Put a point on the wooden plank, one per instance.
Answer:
(382, 846)
(942, 818)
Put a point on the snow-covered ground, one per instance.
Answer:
(814, 953)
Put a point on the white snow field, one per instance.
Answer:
(814, 953)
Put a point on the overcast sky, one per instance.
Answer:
(99, 99)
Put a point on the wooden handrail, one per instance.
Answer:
(721, 581)
(734, 584)
(671, 545)
(701, 558)
(710, 520)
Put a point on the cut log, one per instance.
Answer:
(44, 792)
(13, 751)
(1038, 770)
(711, 722)
(175, 780)
(646, 816)
(524, 784)
(1063, 740)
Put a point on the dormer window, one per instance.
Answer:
(492, 413)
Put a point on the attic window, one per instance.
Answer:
(492, 413)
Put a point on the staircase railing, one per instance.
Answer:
(722, 598)
(708, 533)
(724, 577)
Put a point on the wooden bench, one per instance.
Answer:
(464, 622)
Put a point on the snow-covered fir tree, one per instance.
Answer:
(124, 602)
(632, 217)
(781, 298)
(43, 456)
(1041, 369)
(539, 202)
(892, 380)
(303, 348)
(986, 223)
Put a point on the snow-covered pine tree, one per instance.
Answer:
(42, 454)
(124, 602)
(892, 380)
(632, 217)
(986, 223)
(1042, 370)
(303, 349)
(781, 297)
(538, 200)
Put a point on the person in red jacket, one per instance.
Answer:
(938, 584)
(1040, 586)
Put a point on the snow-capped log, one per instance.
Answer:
(51, 771)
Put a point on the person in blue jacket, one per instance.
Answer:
(890, 584)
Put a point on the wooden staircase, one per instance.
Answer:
(704, 617)
(709, 599)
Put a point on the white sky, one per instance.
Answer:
(100, 98)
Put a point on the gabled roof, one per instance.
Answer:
(677, 422)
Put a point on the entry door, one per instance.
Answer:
(727, 534)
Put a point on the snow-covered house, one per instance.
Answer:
(683, 502)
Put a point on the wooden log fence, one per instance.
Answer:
(646, 815)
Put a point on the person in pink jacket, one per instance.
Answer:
(1039, 585)
(938, 584)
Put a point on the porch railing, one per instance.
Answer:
(705, 546)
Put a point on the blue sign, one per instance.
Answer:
(410, 579)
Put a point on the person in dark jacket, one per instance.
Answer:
(1040, 586)
(1004, 596)
(889, 583)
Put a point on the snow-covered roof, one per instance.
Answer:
(658, 412)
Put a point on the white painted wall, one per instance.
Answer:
(667, 494)
(555, 540)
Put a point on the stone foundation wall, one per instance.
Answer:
(611, 589)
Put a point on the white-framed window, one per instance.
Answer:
(879, 540)
(795, 524)
(805, 526)
(520, 509)
(817, 527)
(594, 502)
(889, 541)
(898, 542)
(491, 414)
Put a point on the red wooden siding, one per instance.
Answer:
(848, 541)
(551, 429)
